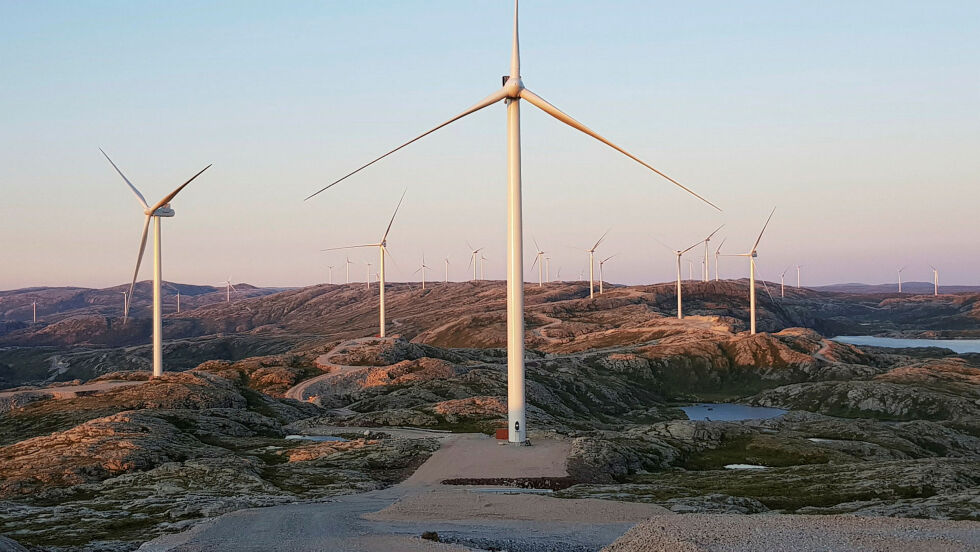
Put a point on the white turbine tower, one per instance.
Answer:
(155, 212)
(798, 276)
(228, 289)
(752, 254)
(447, 268)
(347, 265)
(382, 251)
(367, 276)
(602, 262)
(900, 279)
(125, 305)
(422, 268)
(591, 253)
(718, 254)
(935, 280)
(678, 253)
(705, 269)
(547, 269)
(473, 259)
(330, 274)
(782, 284)
(483, 266)
(178, 301)
(34, 306)
(690, 269)
(512, 92)
(539, 262)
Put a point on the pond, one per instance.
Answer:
(724, 412)
(320, 438)
(956, 345)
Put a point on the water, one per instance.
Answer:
(744, 467)
(320, 438)
(721, 412)
(956, 345)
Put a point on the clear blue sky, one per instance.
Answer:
(860, 121)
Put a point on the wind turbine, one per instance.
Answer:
(382, 251)
(705, 268)
(718, 254)
(602, 262)
(330, 274)
(537, 258)
(547, 269)
(690, 269)
(159, 210)
(935, 280)
(782, 285)
(422, 268)
(178, 301)
(473, 259)
(367, 277)
(34, 305)
(678, 253)
(900, 279)
(512, 92)
(347, 265)
(228, 287)
(483, 266)
(591, 253)
(798, 276)
(447, 268)
(752, 254)
(125, 305)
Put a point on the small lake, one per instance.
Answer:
(723, 412)
(320, 438)
(956, 345)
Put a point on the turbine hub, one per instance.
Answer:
(164, 211)
(513, 87)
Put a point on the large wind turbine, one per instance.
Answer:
(159, 210)
(935, 280)
(678, 253)
(422, 268)
(782, 283)
(512, 92)
(591, 253)
(900, 279)
(382, 251)
(752, 254)
(602, 262)
(537, 261)
(706, 267)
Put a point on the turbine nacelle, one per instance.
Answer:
(512, 87)
(165, 211)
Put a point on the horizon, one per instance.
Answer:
(819, 102)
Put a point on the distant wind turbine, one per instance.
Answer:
(382, 251)
(125, 305)
(706, 267)
(368, 276)
(155, 212)
(602, 262)
(422, 268)
(690, 269)
(798, 276)
(483, 265)
(228, 287)
(347, 264)
(718, 254)
(512, 92)
(447, 268)
(34, 305)
(330, 274)
(752, 254)
(935, 280)
(900, 279)
(678, 253)
(782, 284)
(538, 261)
(473, 259)
(591, 253)
(178, 301)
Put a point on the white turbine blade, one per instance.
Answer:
(469, 264)
(763, 280)
(174, 193)
(718, 251)
(665, 246)
(715, 232)
(607, 258)
(536, 246)
(692, 247)
(489, 100)
(139, 258)
(515, 53)
(600, 240)
(757, 240)
(470, 247)
(392, 221)
(139, 196)
(541, 104)
(535, 261)
(350, 247)
(233, 288)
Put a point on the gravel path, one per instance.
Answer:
(72, 391)
(764, 533)
(299, 391)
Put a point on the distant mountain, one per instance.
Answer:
(913, 288)
(58, 303)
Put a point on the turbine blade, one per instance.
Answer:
(139, 196)
(600, 240)
(139, 258)
(692, 247)
(350, 247)
(515, 53)
(173, 194)
(607, 258)
(392, 221)
(541, 104)
(489, 100)
(718, 251)
(763, 230)
(536, 246)
(535, 261)
(665, 246)
(715, 232)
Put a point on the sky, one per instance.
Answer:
(858, 121)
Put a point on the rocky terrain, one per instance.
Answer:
(869, 432)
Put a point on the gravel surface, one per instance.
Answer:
(764, 533)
